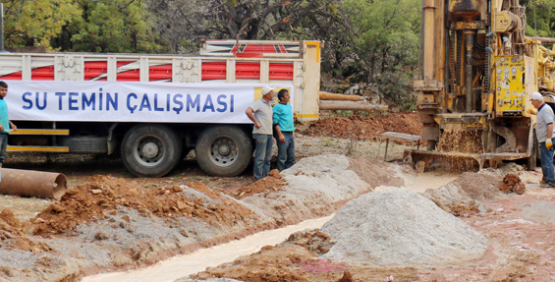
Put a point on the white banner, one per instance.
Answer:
(132, 101)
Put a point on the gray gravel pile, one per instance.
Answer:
(400, 228)
(314, 184)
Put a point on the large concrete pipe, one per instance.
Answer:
(29, 183)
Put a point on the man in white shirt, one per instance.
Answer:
(544, 134)
(260, 112)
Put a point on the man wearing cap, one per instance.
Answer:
(544, 134)
(260, 112)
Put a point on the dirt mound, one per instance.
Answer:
(479, 186)
(9, 225)
(400, 228)
(100, 198)
(375, 172)
(463, 196)
(12, 235)
(273, 183)
(288, 262)
(365, 128)
(512, 183)
(315, 241)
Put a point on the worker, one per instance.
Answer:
(5, 123)
(544, 134)
(284, 128)
(260, 112)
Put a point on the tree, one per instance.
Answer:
(37, 22)
(386, 45)
(113, 26)
(540, 17)
(185, 23)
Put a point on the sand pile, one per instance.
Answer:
(400, 228)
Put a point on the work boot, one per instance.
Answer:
(0, 165)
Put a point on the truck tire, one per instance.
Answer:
(223, 150)
(150, 150)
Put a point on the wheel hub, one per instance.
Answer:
(149, 150)
(224, 150)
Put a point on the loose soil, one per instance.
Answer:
(519, 230)
(365, 128)
(110, 220)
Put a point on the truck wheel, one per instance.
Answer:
(150, 150)
(223, 150)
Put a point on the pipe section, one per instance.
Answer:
(469, 46)
(30, 183)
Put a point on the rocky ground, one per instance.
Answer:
(109, 220)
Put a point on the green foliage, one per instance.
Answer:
(387, 43)
(540, 17)
(79, 25)
(117, 26)
(37, 22)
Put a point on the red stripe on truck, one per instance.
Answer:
(44, 73)
(162, 72)
(95, 69)
(247, 70)
(12, 76)
(130, 75)
(213, 70)
(281, 71)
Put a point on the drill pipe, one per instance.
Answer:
(29, 183)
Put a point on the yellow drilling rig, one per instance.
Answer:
(478, 71)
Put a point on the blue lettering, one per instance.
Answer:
(222, 103)
(43, 101)
(145, 103)
(110, 101)
(231, 104)
(100, 100)
(192, 104)
(178, 102)
(27, 100)
(208, 104)
(156, 104)
(131, 95)
(168, 102)
(73, 100)
(88, 102)
(60, 96)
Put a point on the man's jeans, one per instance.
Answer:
(286, 151)
(262, 155)
(547, 163)
(3, 144)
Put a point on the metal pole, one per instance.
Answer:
(469, 40)
(2, 26)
